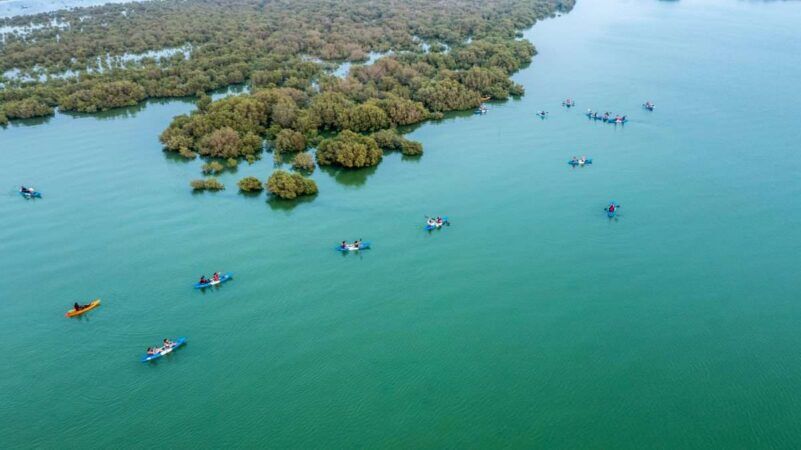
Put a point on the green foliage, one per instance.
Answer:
(203, 101)
(206, 184)
(290, 141)
(250, 184)
(287, 185)
(303, 162)
(390, 140)
(448, 95)
(231, 163)
(365, 117)
(213, 168)
(25, 109)
(103, 96)
(227, 143)
(349, 149)
(269, 43)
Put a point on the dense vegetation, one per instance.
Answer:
(271, 43)
(280, 48)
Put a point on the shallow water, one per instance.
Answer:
(11, 8)
(532, 321)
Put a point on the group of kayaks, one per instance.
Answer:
(168, 346)
(606, 117)
(432, 223)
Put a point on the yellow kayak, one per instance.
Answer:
(93, 305)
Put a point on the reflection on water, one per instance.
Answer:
(279, 204)
(349, 177)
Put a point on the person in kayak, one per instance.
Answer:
(151, 351)
(344, 245)
(216, 276)
(431, 222)
(611, 208)
(168, 343)
(203, 280)
(439, 220)
(357, 243)
(78, 307)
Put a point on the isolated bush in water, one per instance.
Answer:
(213, 168)
(349, 149)
(250, 184)
(287, 185)
(207, 184)
(303, 161)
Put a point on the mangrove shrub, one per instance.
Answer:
(303, 161)
(287, 185)
(250, 184)
(207, 184)
(349, 149)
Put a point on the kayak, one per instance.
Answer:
(437, 226)
(351, 248)
(33, 194)
(612, 213)
(648, 107)
(178, 342)
(94, 304)
(618, 121)
(480, 111)
(223, 278)
(579, 163)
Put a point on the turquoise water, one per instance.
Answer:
(532, 321)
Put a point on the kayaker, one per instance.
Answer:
(344, 245)
(216, 276)
(151, 351)
(77, 307)
(431, 222)
(611, 208)
(439, 220)
(168, 343)
(203, 280)
(357, 243)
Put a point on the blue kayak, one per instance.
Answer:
(178, 342)
(33, 194)
(350, 248)
(577, 163)
(223, 278)
(436, 227)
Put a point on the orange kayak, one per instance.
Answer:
(93, 305)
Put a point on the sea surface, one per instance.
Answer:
(533, 321)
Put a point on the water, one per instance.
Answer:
(11, 8)
(532, 321)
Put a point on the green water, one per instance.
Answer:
(533, 321)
